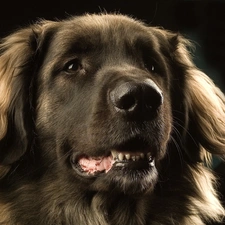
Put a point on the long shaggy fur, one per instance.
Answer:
(46, 115)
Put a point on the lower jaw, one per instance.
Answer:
(127, 181)
(128, 178)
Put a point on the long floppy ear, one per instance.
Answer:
(205, 105)
(18, 55)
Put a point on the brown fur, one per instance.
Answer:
(49, 112)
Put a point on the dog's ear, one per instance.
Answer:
(205, 105)
(18, 60)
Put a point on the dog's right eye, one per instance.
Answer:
(73, 66)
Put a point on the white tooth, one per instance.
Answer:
(138, 157)
(114, 154)
(120, 156)
(119, 164)
(127, 156)
(133, 157)
(152, 163)
(142, 155)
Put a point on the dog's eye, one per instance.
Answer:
(150, 64)
(73, 66)
(152, 67)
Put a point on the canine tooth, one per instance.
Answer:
(142, 155)
(114, 154)
(133, 158)
(127, 156)
(120, 156)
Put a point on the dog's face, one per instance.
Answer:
(103, 101)
(99, 107)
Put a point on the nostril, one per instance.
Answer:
(152, 97)
(125, 96)
(126, 102)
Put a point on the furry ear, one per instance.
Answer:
(17, 67)
(205, 104)
(207, 109)
(17, 51)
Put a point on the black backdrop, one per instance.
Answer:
(203, 21)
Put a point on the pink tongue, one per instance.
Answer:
(92, 165)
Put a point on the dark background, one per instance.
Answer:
(202, 21)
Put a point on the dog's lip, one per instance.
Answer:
(93, 166)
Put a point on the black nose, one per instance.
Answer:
(140, 99)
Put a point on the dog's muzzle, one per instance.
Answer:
(135, 101)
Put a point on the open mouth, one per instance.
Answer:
(92, 166)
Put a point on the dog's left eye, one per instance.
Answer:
(150, 64)
(73, 66)
(152, 67)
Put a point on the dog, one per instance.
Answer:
(105, 120)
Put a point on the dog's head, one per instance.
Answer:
(104, 99)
